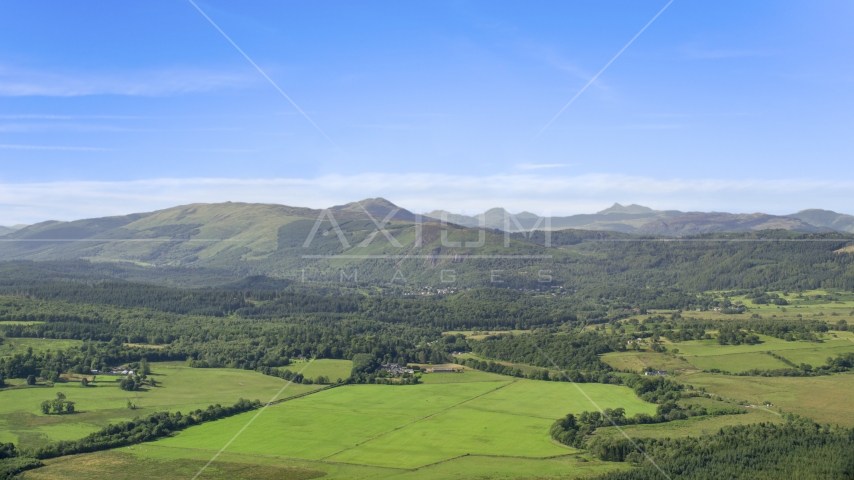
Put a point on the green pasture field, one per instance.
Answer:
(323, 424)
(816, 356)
(639, 361)
(803, 301)
(825, 399)
(708, 354)
(182, 389)
(467, 376)
(453, 433)
(11, 346)
(823, 309)
(836, 335)
(332, 369)
(738, 362)
(552, 400)
(694, 426)
(150, 461)
(483, 333)
(704, 348)
(525, 368)
(411, 426)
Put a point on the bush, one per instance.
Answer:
(57, 407)
(130, 383)
(11, 467)
(7, 450)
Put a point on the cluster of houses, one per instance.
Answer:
(395, 369)
(656, 373)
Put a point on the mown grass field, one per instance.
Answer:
(805, 306)
(815, 356)
(11, 346)
(410, 427)
(526, 369)
(639, 361)
(708, 354)
(182, 389)
(683, 357)
(468, 375)
(825, 399)
(738, 362)
(704, 348)
(150, 461)
(483, 333)
(692, 427)
(329, 368)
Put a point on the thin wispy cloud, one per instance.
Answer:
(539, 166)
(389, 126)
(653, 126)
(50, 147)
(558, 194)
(70, 127)
(219, 150)
(19, 82)
(41, 116)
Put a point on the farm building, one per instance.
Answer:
(395, 369)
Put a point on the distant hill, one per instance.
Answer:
(262, 244)
(644, 220)
(199, 231)
(378, 208)
(7, 230)
(699, 223)
(616, 218)
(262, 240)
(631, 209)
(825, 218)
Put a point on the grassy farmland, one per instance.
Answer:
(11, 346)
(692, 427)
(329, 368)
(411, 427)
(709, 354)
(641, 360)
(151, 461)
(824, 399)
(737, 362)
(181, 389)
(473, 424)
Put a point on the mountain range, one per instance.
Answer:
(217, 244)
(646, 221)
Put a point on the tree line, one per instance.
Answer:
(796, 448)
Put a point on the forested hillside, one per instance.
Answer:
(219, 245)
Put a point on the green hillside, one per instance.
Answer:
(220, 244)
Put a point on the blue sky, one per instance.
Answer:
(114, 107)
